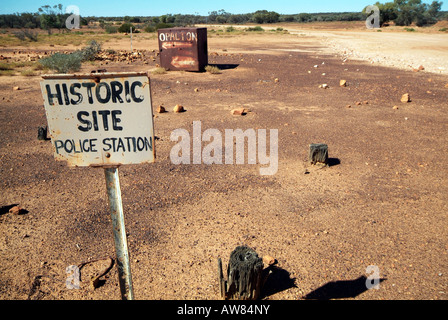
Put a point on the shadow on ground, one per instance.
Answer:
(277, 280)
(340, 289)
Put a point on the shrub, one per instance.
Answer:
(163, 25)
(212, 69)
(5, 66)
(257, 28)
(150, 29)
(89, 53)
(443, 29)
(110, 29)
(62, 63)
(409, 29)
(26, 34)
(159, 71)
(126, 27)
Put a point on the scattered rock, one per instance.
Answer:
(196, 89)
(161, 109)
(16, 88)
(343, 83)
(348, 106)
(421, 68)
(395, 107)
(239, 112)
(276, 80)
(268, 260)
(358, 103)
(406, 98)
(178, 108)
(324, 86)
(16, 210)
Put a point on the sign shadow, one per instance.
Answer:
(225, 66)
(340, 289)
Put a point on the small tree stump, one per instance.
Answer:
(42, 133)
(318, 153)
(244, 275)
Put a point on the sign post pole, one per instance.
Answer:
(121, 247)
(103, 120)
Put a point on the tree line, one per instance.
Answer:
(407, 12)
(401, 12)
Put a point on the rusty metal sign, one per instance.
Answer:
(100, 119)
(183, 48)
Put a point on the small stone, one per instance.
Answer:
(196, 89)
(268, 260)
(178, 108)
(395, 107)
(348, 106)
(343, 83)
(161, 109)
(405, 98)
(239, 112)
(421, 68)
(16, 88)
(358, 103)
(276, 80)
(16, 210)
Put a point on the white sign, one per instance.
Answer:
(102, 119)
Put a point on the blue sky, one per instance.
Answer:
(202, 7)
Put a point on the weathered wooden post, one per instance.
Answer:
(244, 275)
(318, 153)
(42, 133)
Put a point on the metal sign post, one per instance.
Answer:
(121, 247)
(103, 120)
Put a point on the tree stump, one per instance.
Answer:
(244, 275)
(42, 133)
(318, 153)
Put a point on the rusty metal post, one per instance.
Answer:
(121, 247)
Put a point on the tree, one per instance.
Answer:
(126, 27)
(406, 12)
(388, 12)
(264, 16)
(52, 17)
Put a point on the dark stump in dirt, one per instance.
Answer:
(318, 153)
(244, 274)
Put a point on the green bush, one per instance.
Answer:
(409, 29)
(110, 29)
(89, 53)
(26, 34)
(150, 29)
(212, 69)
(62, 63)
(126, 27)
(163, 25)
(65, 63)
(443, 29)
(257, 28)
